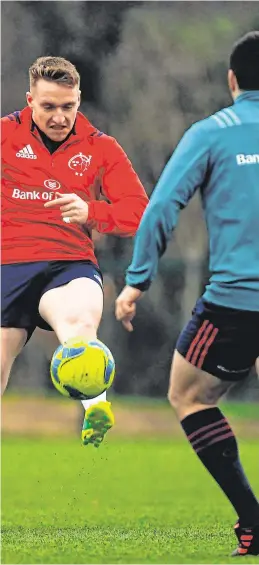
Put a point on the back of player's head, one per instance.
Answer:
(55, 69)
(244, 61)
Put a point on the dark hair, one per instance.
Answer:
(244, 61)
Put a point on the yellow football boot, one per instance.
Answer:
(98, 420)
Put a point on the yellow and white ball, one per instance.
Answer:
(81, 369)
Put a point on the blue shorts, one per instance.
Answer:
(221, 341)
(23, 285)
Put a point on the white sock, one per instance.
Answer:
(87, 403)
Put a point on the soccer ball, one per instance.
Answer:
(82, 369)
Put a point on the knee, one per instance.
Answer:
(190, 395)
(12, 342)
(76, 328)
(181, 384)
(176, 397)
(5, 373)
(80, 326)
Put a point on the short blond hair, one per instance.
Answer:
(54, 69)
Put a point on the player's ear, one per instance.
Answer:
(29, 99)
(232, 81)
(79, 98)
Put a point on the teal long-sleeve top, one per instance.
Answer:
(220, 157)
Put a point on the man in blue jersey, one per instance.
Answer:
(220, 344)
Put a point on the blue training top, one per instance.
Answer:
(219, 155)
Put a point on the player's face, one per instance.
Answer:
(54, 107)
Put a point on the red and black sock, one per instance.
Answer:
(212, 438)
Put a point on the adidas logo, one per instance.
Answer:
(26, 153)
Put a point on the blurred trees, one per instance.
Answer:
(148, 71)
(83, 32)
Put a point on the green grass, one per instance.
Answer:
(244, 410)
(144, 501)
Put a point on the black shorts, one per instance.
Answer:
(23, 285)
(221, 341)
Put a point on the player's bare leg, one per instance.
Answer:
(75, 310)
(192, 389)
(12, 343)
(194, 394)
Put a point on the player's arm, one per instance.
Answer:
(183, 174)
(8, 125)
(122, 188)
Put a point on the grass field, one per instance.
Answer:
(132, 501)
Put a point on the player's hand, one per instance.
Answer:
(125, 306)
(74, 210)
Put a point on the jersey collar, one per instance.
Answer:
(81, 128)
(252, 95)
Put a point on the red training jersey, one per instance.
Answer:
(89, 164)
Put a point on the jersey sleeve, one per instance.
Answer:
(183, 174)
(122, 188)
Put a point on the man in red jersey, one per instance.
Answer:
(61, 178)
